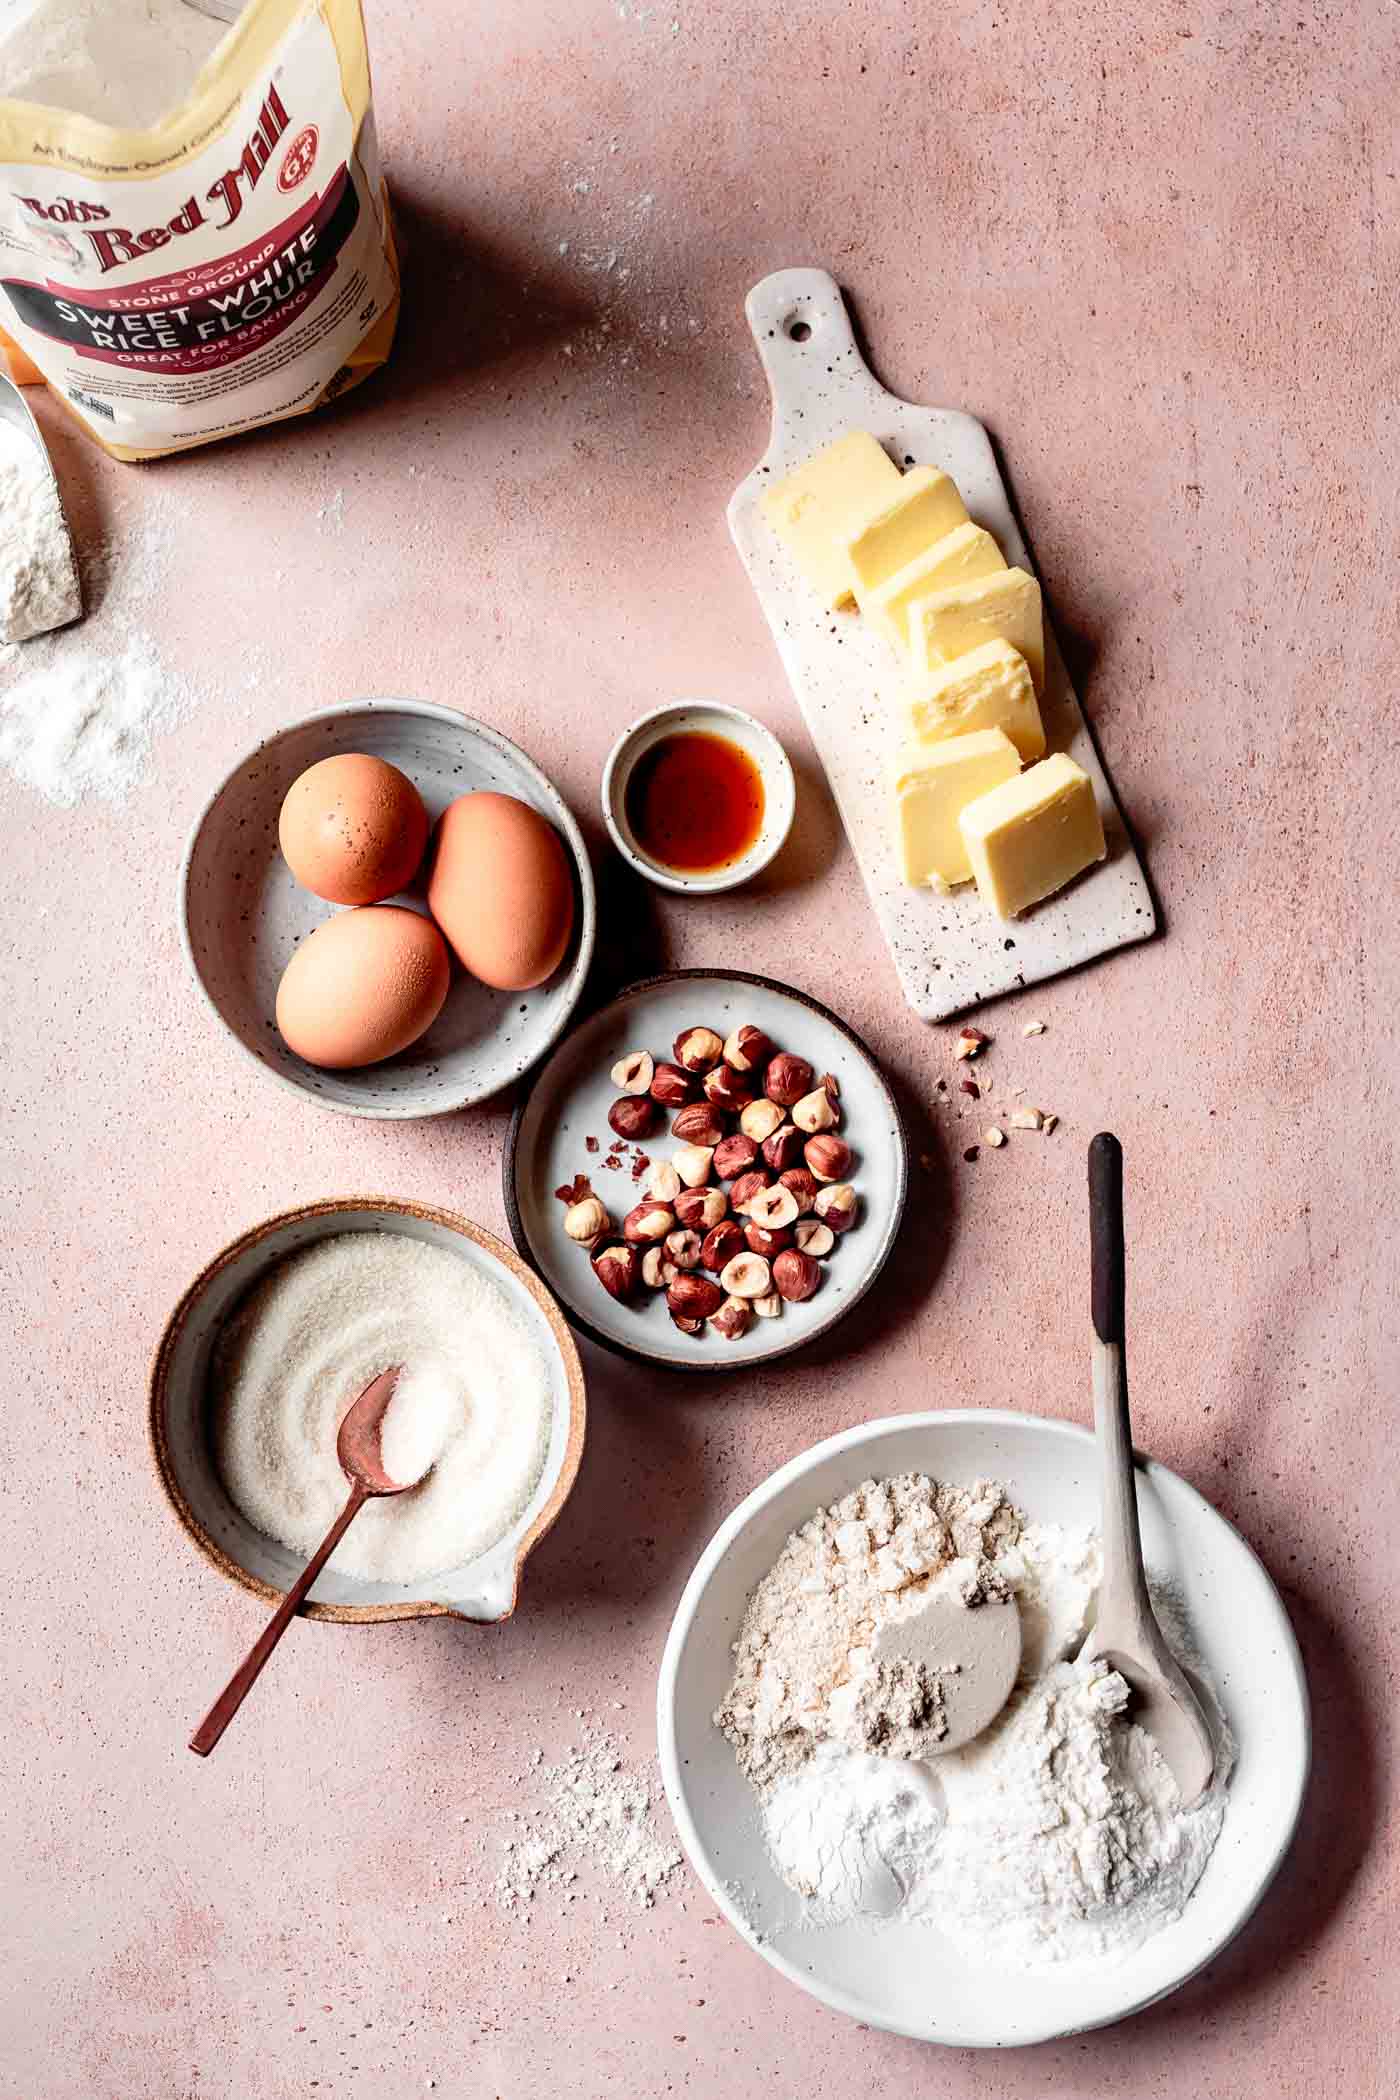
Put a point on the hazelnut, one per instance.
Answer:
(584, 1221)
(617, 1269)
(969, 1043)
(767, 1308)
(759, 1240)
(773, 1208)
(699, 1209)
(648, 1221)
(747, 1047)
(813, 1237)
(683, 1248)
(657, 1272)
(816, 1111)
(692, 1164)
(662, 1181)
(697, 1049)
(747, 1276)
(733, 1319)
(686, 1324)
(836, 1206)
(743, 1191)
(632, 1073)
(698, 1125)
(673, 1087)
(734, 1155)
(760, 1119)
(829, 1158)
(727, 1089)
(787, 1079)
(804, 1187)
(633, 1116)
(797, 1275)
(722, 1243)
(784, 1148)
(695, 1297)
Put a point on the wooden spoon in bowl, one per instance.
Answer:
(357, 1448)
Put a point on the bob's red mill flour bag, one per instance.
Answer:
(194, 231)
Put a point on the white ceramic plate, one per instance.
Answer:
(242, 911)
(908, 1977)
(570, 1099)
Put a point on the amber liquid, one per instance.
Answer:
(695, 802)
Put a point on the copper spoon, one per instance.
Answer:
(357, 1448)
(1126, 1633)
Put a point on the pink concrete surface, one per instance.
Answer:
(1155, 248)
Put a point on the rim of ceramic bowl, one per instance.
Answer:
(431, 710)
(638, 738)
(723, 1367)
(683, 1620)
(398, 1206)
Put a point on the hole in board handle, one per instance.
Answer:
(796, 329)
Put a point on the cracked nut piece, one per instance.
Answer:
(697, 1049)
(813, 1237)
(784, 1148)
(816, 1111)
(797, 1275)
(760, 1119)
(787, 1079)
(734, 1155)
(969, 1043)
(662, 1181)
(632, 1073)
(768, 1308)
(657, 1272)
(773, 1208)
(747, 1276)
(699, 1209)
(836, 1206)
(673, 1086)
(618, 1270)
(747, 1048)
(804, 1187)
(648, 1221)
(733, 1319)
(759, 1240)
(829, 1158)
(586, 1220)
(722, 1243)
(633, 1115)
(728, 1089)
(692, 1164)
(686, 1324)
(694, 1297)
(700, 1124)
(683, 1248)
(743, 1191)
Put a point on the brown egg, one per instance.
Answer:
(363, 986)
(500, 887)
(353, 828)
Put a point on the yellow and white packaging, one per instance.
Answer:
(229, 267)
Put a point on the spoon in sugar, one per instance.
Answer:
(357, 1448)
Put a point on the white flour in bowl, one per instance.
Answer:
(309, 1339)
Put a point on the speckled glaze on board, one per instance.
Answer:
(242, 911)
(950, 951)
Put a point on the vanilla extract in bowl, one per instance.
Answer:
(695, 802)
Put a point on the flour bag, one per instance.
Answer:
(194, 230)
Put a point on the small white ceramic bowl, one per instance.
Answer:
(483, 1589)
(706, 718)
(907, 1977)
(242, 911)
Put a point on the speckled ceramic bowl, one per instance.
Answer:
(242, 911)
(482, 1589)
(708, 718)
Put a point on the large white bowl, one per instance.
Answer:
(907, 1977)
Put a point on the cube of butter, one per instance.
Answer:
(931, 786)
(925, 507)
(1030, 836)
(1004, 607)
(989, 688)
(961, 556)
(816, 509)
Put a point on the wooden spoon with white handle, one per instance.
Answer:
(1126, 1633)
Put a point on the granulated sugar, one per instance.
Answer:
(597, 1812)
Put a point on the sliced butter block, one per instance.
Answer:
(1030, 836)
(961, 556)
(989, 688)
(816, 509)
(1004, 607)
(925, 507)
(931, 786)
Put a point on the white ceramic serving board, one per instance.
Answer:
(950, 951)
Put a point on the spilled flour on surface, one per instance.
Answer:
(597, 1812)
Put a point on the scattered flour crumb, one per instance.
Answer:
(596, 1810)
